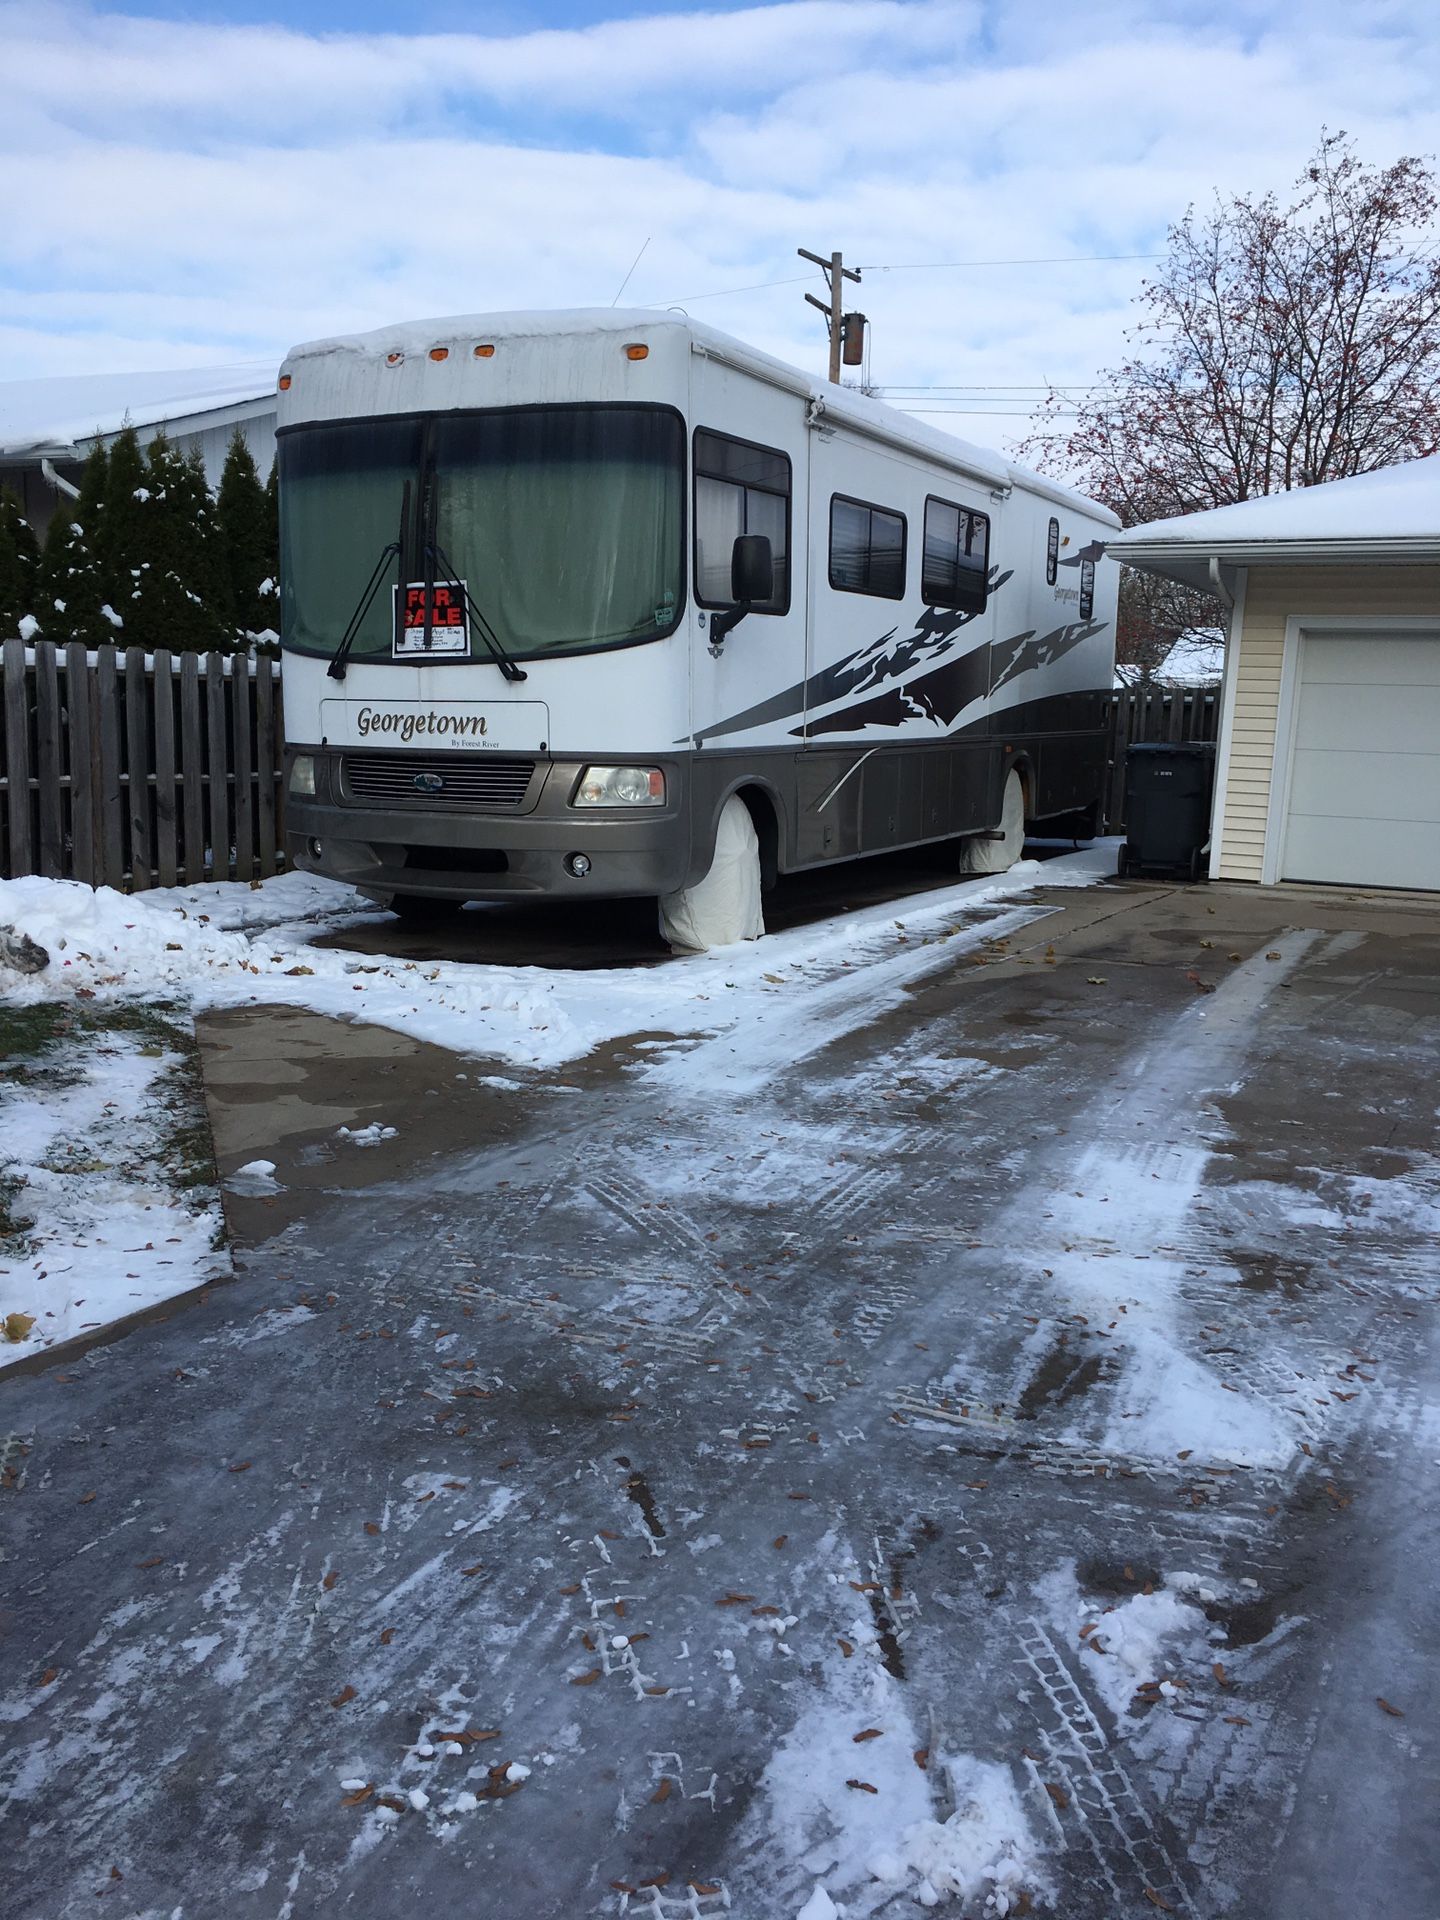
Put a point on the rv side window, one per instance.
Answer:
(1052, 553)
(956, 567)
(867, 549)
(739, 488)
(1087, 589)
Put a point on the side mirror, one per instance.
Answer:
(752, 569)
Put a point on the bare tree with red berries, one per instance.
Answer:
(1280, 345)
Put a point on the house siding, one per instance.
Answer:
(1274, 595)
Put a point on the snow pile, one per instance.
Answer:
(98, 1229)
(1145, 1651)
(230, 944)
(370, 1136)
(852, 1797)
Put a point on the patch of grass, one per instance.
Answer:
(29, 1038)
(14, 1226)
(43, 1048)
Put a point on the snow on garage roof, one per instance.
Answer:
(63, 412)
(1391, 514)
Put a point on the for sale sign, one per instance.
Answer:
(427, 625)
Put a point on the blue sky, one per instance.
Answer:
(204, 183)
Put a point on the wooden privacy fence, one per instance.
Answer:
(128, 769)
(1155, 713)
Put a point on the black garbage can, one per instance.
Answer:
(1168, 784)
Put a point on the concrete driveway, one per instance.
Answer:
(985, 1458)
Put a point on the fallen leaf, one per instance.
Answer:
(370, 1527)
(470, 1572)
(1219, 1672)
(862, 1786)
(1058, 1795)
(15, 1326)
(736, 1600)
(567, 1591)
(387, 1634)
(779, 1539)
(1236, 1720)
(389, 1800)
(845, 1647)
(1385, 1704)
(331, 1581)
(661, 1793)
(155, 1561)
(586, 1679)
(242, 1466)
(1158, 1900)
(345, 1695)
(870, 1733)
(922, 1758)
(49, 1676)
(357, 1798)
(85, 1499)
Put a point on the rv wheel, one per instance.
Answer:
(980, 855)
(725, 906)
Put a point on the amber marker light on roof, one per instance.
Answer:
(487, 352)
(394, 359)
(439, 353)
(635, 351)
(284, 383)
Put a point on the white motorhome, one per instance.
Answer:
(564, 592)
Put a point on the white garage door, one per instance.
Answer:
(1364, 803)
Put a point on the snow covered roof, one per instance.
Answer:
(414, 338)
(1197, 659)
(1391, 514)
(60, 415)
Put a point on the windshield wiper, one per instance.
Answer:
(435, 555)
(478, 623)
(393, 550)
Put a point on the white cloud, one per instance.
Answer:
(181, 192)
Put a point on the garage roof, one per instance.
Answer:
(1391, 514)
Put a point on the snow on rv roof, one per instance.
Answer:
(841, 403)
(58, 413)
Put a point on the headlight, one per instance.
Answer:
(620, 787)
(302, 774)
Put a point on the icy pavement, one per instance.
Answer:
(963, 1445)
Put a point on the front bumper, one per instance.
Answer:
(500, 855)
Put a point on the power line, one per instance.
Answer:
(1040, 260)
(915, 266)
(633, 264)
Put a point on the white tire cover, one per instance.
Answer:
(725, 905)
(995, 856)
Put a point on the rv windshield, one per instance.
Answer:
(563, 522)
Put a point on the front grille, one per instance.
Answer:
(470, 782)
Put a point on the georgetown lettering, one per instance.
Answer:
(412, 726)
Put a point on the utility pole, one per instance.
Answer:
(836, 273)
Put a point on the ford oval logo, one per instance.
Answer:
(430, 782)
